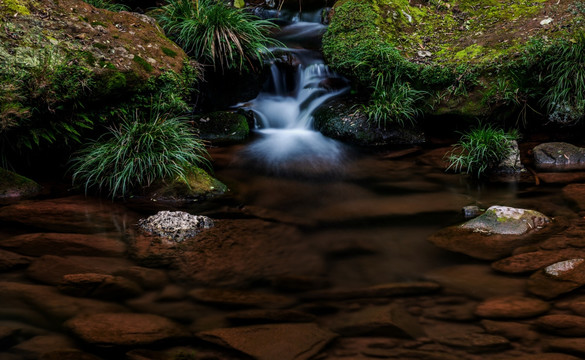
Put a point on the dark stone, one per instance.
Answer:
(571, 346)
(222, 127)
(10, 261)
(564, 325)
(510, 330)
(511, 307)
(559, 156)
(535, 260)
(99, 286)
(377, 291)
(575, 193)
(272, 341)
(248, 317)
(237, 298)
(147, 278)
(14, 187)
(63, 244)
(476, 343)
(388, 320)
(124, 329)
(558, 278)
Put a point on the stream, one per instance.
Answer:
(308, 231)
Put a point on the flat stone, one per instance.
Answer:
(561, 177)
(558, 156)
(476, 343)
(75, 214)
(550, 356)
(124, 329)
(510, 330)
(376, 291)
(455, 312)
(572, 346)
(50, 269)
(558, 278)
(511, 307)
(535, 260)
(269, 316)
(237, 298)
(99, 286)
(68, 354)
(561, 324)
(36, 347)
(10, 260)
(272, 341)
(62, 244)
(390, 320)
(48, 302)
(476, 281)
(149, 279)
(182, 311)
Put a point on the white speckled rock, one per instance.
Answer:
(175, 226)
(562, 267)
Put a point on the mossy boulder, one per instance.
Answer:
(223, 127)
(16, 187)
(199, 186)
(345, 121)
(485, 58)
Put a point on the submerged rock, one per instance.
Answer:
(559, 156)
(272, 341)
(511, 307)
(559, 278)
(15, 187)
(174, 226)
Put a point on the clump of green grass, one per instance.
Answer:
(481, 149)
(394, 102)
(138, 153)
(216, 33)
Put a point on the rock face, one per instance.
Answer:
(273, 341)
(559, 156)
(492, 235)
(15, 187)
(340, 120)
(174, 226)
(124, 329)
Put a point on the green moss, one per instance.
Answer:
(100, 46)
(471, 52)
(13, 185)
(15, 7)
(169, 52)
(96, 23)
(199, 185)
(145, 65)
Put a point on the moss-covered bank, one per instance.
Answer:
(486, 58)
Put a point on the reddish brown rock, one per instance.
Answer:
(75, 214)
(476, 343)
(237, 298)
(549, 356)
(476, 281)
(575, 193)
(50, 269)
(376, 291)
(571, 346)
(455, 312)
(269, 316)
(535, 260)
(36, 347)
(124, 329)
(272, 341)
(68, 354)
(183, 311)
(511, 307)
(10, 260)
(558, 278)
(565, 325)
(48, 302)
(388, 320)
(147, 278)
(63, 244)
(510, 330)
(99, 286)
(561, 177)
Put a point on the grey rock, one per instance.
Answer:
(506, 220)
(559, 156)
(175, 226)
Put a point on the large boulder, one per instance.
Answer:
(15, 187)
(559, 156)
(458, 49)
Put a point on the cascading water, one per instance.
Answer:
(283, 109)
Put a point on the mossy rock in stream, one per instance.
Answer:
(222, 127)
(481, 58)
(15, 187)
(199, 186)
(344, 120)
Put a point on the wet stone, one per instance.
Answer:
(68, 354)
(476, 343)
(62, 244)
(37, 346)
(269, 316)
(99, 286)
(510, 330)
(564, 325)
(511, 307)
(535, 260)
(557, 279)
(550, 356)
(10, 261)
(457, 312)
(376, 291)
(390, 320)
(559, 156)
(506, 220)
(238, 299)
(272, 341)
(147, 278)
(124, 329)
(575, 193)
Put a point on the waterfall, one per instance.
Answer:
(283, 109)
